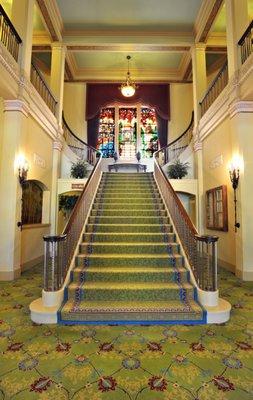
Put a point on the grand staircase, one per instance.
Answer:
(130, 268)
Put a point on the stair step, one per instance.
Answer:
(129, 260)
(128, 206)
(129, 237)
(129, 248)
(127, 201)
(129, 228)
(128, 213)
(139, 311)
(116, 291)
(128, 195)
(128, 220)
(129, 274)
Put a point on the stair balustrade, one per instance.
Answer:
(174, 149)
(214, 89)
(246, 43)
(42, 88)
(201, 251)
(59, 249)
(8, 35)
(78, 146)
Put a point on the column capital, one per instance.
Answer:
(240, 107)
(60, 46)
(16, 105)
(197, 146)
(57, 145)
(198, 47)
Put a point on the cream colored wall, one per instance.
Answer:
(74, 107)
(218, 143)
(38, 146)
(181, 107)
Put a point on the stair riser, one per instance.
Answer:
(167, 276)
(127, 206)
(129, 213)
(128, 195)
(128, 294)
(129, 249)
(128, 229)
(128, 202)
(124, 185)
(130, 191)
(128, 220)
(109, 237)
(155, 261)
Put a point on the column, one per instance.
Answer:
(57, 147)
(57, 76)
(22, 19)
(13, 145)
(237, 21)
(242, 143)
(199, 87)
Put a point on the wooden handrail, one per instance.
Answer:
(74, 135)
(2, 12)
(248, 30)
(184, 133)
(8, 35)
(212, 84)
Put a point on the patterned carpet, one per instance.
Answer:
(130, 267)
(124, 362)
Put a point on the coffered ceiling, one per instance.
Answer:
(100, 34)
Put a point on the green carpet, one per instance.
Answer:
(56, 362)
(129, 267)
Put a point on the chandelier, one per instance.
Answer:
(128, 87)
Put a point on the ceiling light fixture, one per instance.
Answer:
(129, 87)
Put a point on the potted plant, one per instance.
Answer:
(177, 170)
(67, 203)
(79, 170)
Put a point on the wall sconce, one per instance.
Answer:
(23, 168)
(234, 173)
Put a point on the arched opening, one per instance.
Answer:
(35, 203)
(189, 202)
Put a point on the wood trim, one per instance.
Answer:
(210, 20)
(37, 48)
(216, 49)
(48, 20)
(132, 47)
(160, 81)
(187, 71)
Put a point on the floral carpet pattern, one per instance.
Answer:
(201, 362)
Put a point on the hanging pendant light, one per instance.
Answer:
(128, 88)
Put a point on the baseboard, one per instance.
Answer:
(32, 263)
(245, 275)
(226, 265)
(10, 275)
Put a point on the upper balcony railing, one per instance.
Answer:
(42, 88)
(216, 87)
(246, 43)
(8, 35)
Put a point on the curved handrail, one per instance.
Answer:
(172, 150)
(83, 150)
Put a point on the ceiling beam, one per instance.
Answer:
(52, 18)
(127, 47)
(205, 19)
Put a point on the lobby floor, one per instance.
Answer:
(124, 362)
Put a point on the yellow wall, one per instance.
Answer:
(37, 143)
(213, 177)
(74, 104)
(181, 107)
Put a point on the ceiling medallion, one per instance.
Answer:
(129, 87)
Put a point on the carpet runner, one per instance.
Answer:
(129, 268)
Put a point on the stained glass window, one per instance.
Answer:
(149, 135)
(106, 136)
(127, 132)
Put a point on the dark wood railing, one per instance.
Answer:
(246, 43)
(42, 88)
(78, 146)
(215, 88)
(8, 35)
(59, 250)
(174, 149)
(201, 251)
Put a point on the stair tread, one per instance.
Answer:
(126, 269)
(116, 255)
(130, 285)
(134, 305)
(129, 244)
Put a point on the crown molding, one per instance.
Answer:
(239, 107)
(16, 105)
(127, 47)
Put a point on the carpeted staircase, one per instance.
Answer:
(129, 268)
